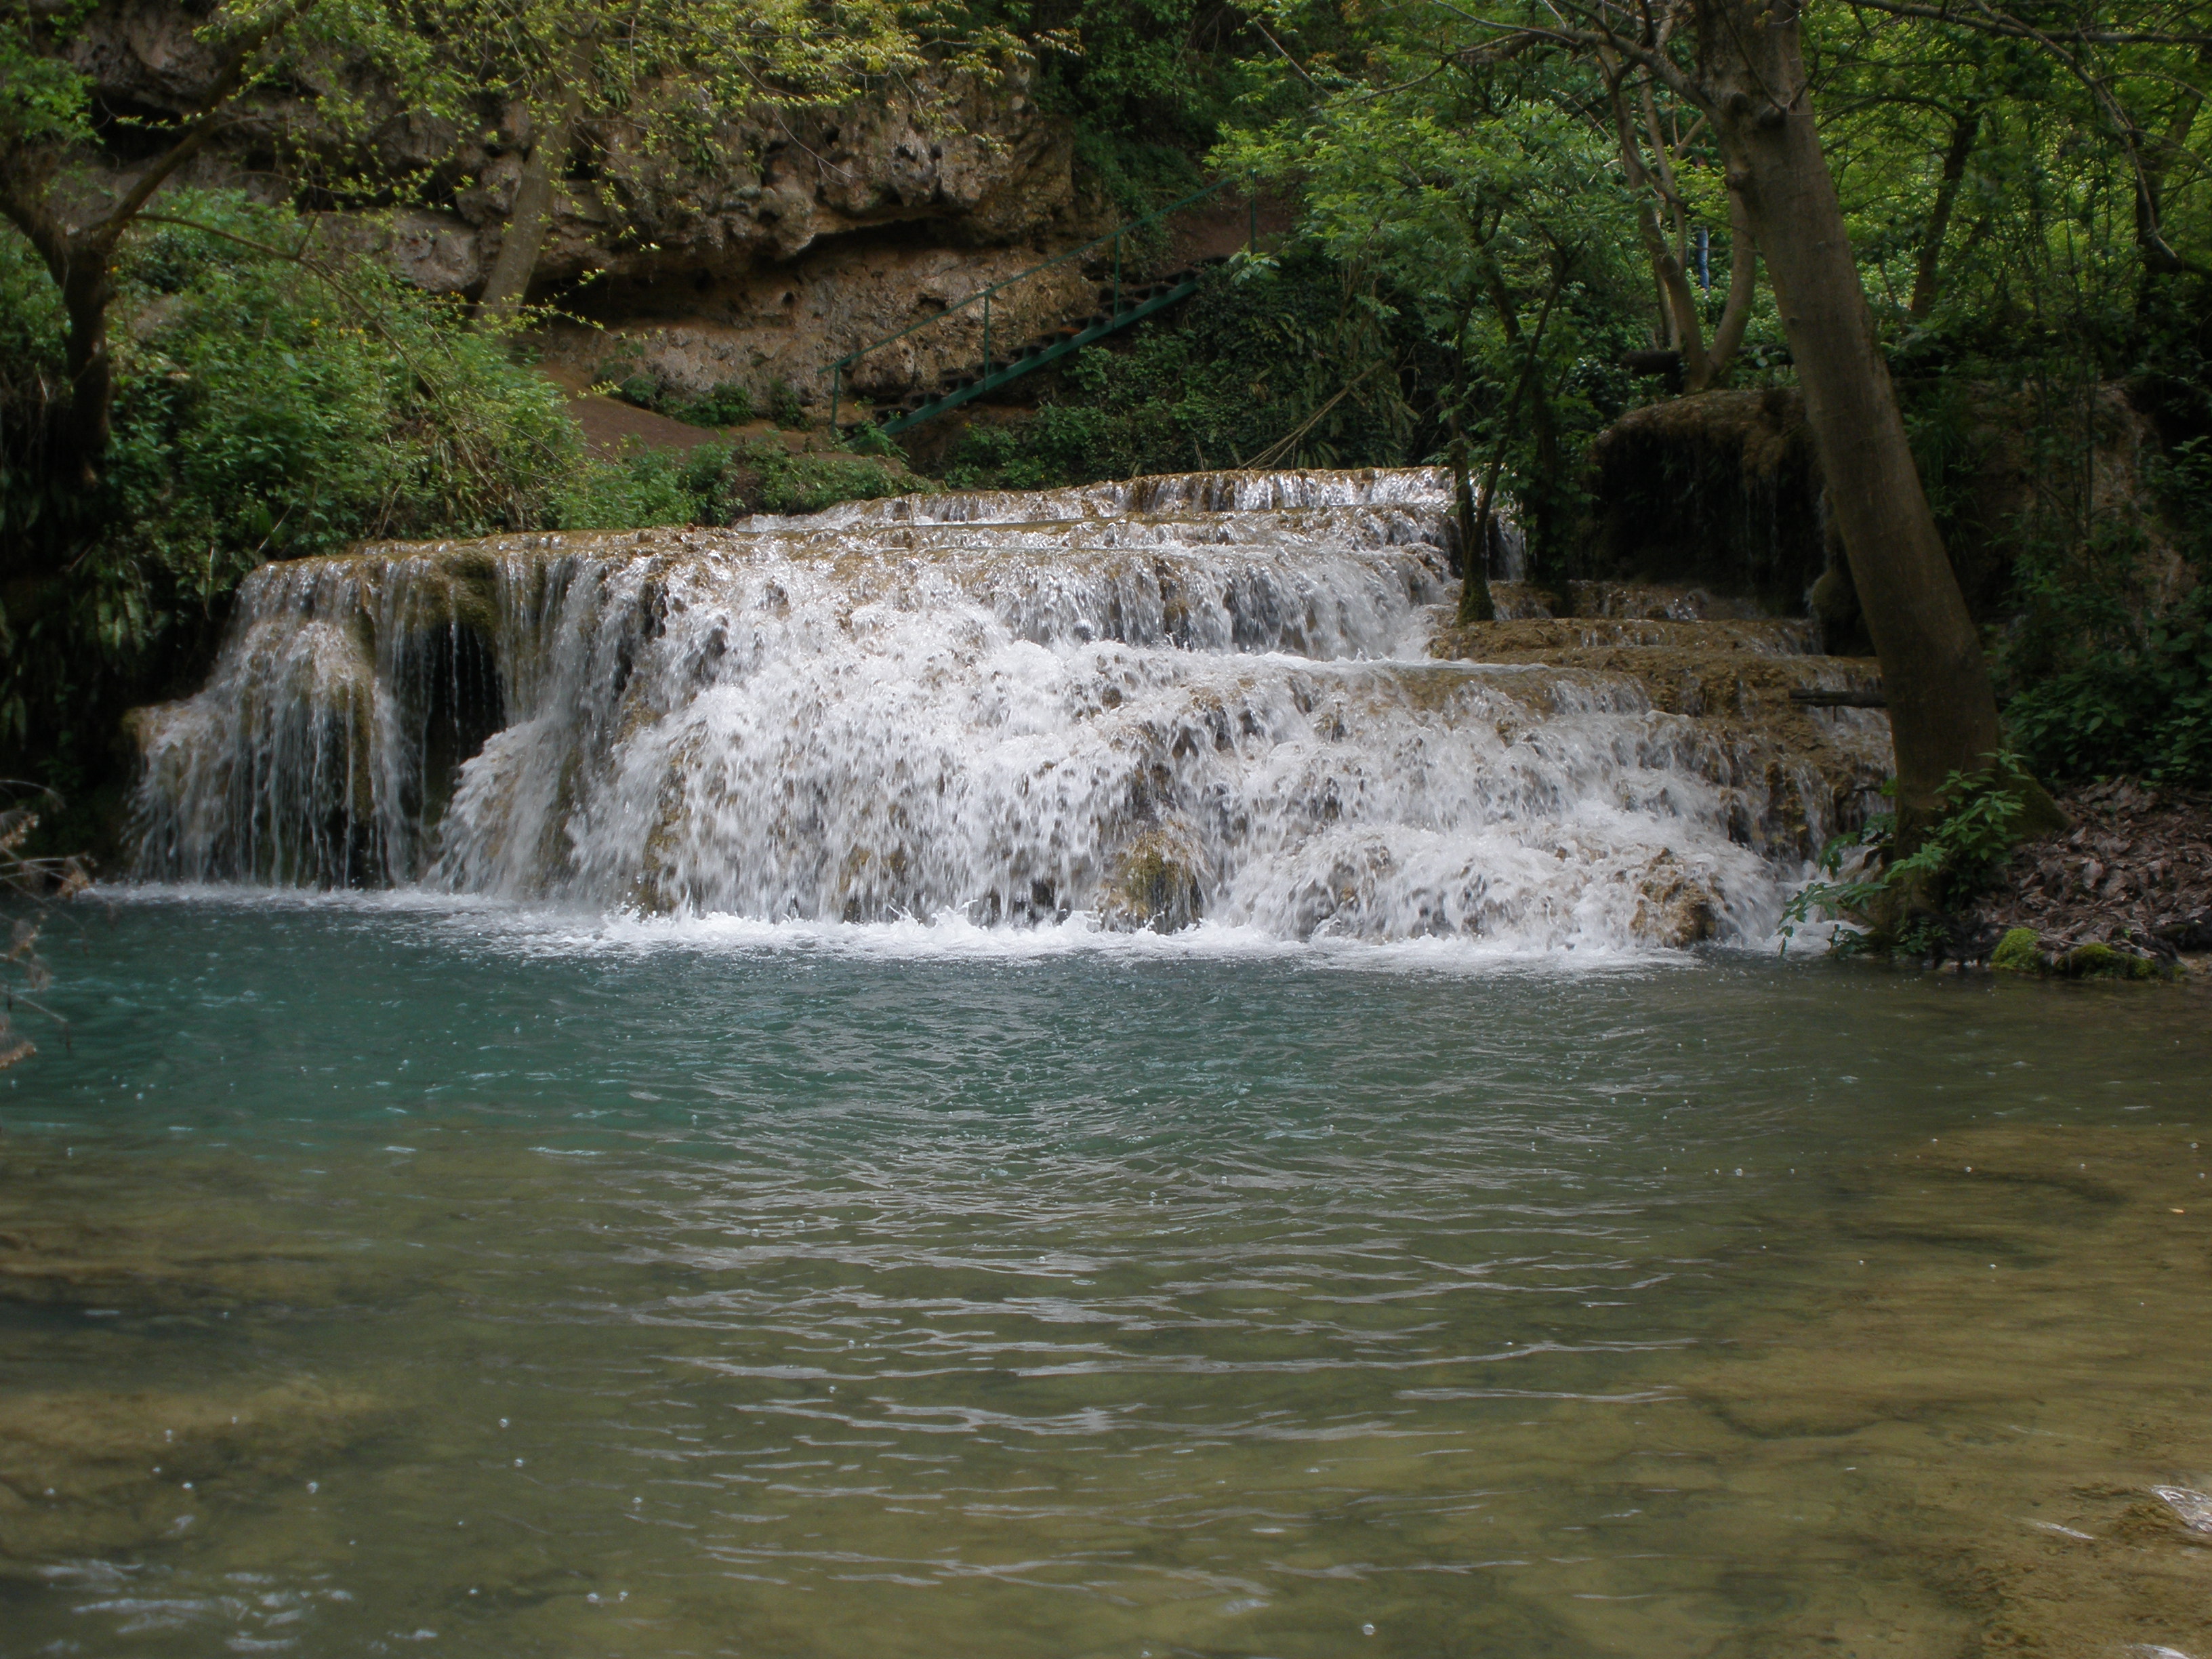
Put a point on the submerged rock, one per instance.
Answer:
(1963, 1397)
(87, 1471)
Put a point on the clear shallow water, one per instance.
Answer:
(506, 1284)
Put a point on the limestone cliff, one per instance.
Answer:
(791, 237)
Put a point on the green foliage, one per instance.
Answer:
(264, 410)
(2145, 709)
(716, 483)
(1146, 84)
(1488, 214)
(1898, 899)
(1279, 359)
(728, 403)
(269, 408)
(43, 96)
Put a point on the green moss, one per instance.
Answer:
(2095, 962)
(2018, 952)
(1157, 885)
(2103, 962)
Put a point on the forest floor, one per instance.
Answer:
(2137, 865)
(613, 427)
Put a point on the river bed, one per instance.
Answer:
(408, 1276)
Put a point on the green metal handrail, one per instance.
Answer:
(1251, 241)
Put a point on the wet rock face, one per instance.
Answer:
(1719, 489)
(1790, 774)
(1158, 883)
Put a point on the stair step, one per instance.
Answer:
(1132, 297)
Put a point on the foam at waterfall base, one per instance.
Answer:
(1199, 706)
(508, 927)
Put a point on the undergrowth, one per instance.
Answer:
(1905, 902)
(716, 483)
(1268, 364)
(2111, 673)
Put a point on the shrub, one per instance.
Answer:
(1901, 902)
(729, 404)
(2142, 707)
(716, 483)
(783, 407)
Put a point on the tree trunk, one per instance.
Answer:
(1963, 127)
(87, 291)
(1743, 287)
(1475, 603)
(1943, 713)
(532, 216)
(1540, 529)
(1531, 370)
(1678, 301)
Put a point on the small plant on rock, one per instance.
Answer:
(783, 407)
(1893, 899)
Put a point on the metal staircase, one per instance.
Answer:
(1119, 306)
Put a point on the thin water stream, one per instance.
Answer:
(415, 1276)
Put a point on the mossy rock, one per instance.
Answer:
(1156, 886)
(2103, 962)
(2020, 952)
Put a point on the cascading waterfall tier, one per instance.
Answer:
(1207, 697)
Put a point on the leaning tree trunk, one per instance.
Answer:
(1943, 712)
(1928, 269)
(532, 216)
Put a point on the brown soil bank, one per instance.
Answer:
(2136, 870)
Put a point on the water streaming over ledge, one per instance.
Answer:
(1205, 696)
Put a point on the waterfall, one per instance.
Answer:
(1150, 703)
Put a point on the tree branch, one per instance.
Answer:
(214, 110)
(2013, 29)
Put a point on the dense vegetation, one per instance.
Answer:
(1509, 251)
(1503, 241)
(273, 407)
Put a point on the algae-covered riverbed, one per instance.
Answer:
(409, 1279)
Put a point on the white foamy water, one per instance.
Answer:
(1153, 704)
